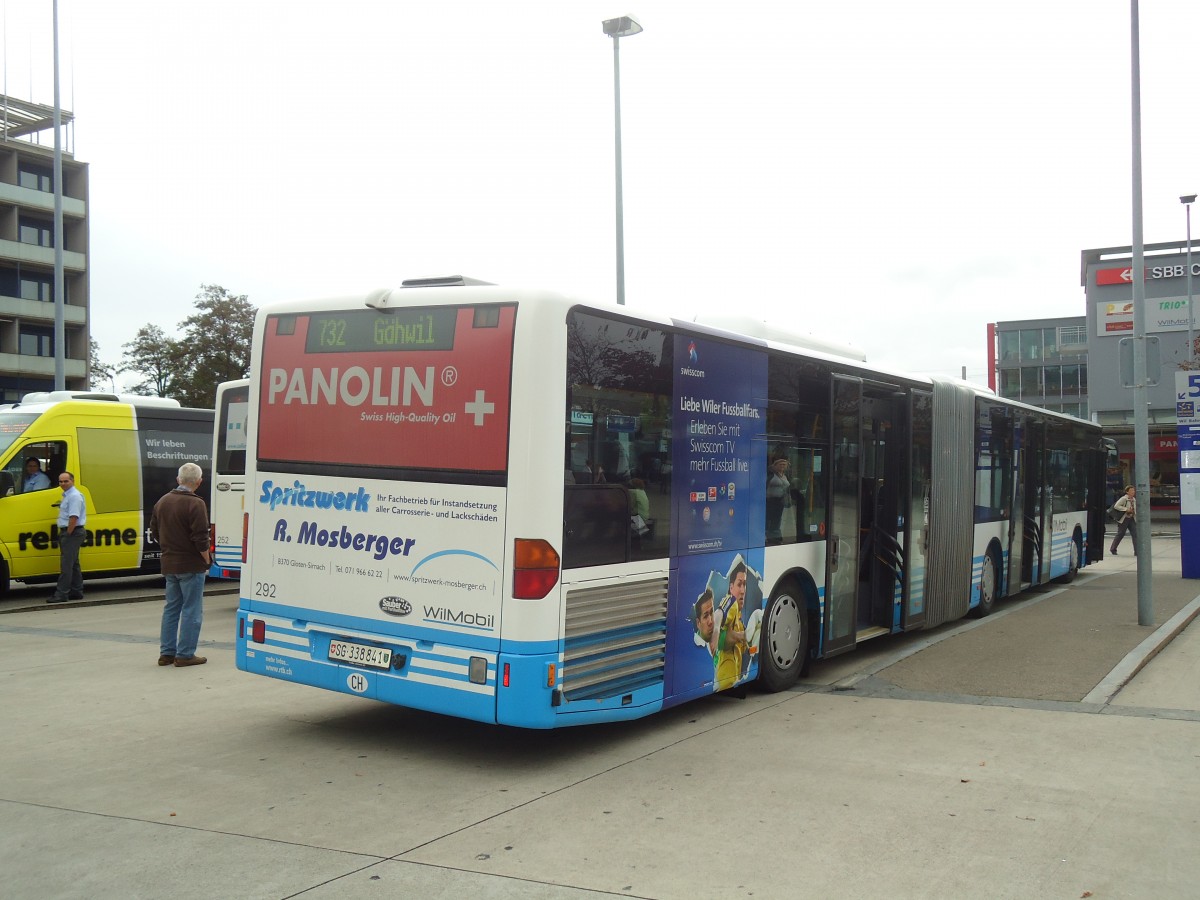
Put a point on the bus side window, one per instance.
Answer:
(595, 525)
(12, 479)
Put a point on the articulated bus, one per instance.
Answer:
(520, 508)
(228, 477)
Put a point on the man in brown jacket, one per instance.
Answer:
(180, 525)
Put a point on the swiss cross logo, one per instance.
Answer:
(479, 407)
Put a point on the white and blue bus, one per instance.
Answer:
(227, 511)
(520, 508)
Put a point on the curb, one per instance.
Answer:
(1137, 658)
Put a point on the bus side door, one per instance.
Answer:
(841, 585)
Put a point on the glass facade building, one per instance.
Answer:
(1073, 364)
(1044, 362)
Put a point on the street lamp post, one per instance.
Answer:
(1187, 200)
(617, 29)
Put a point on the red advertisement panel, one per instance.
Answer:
(416, 388)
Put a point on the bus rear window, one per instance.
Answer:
(419, 389)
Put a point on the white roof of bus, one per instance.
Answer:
(43, 399)
(456, 290)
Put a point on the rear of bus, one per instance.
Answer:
(228, 479)
(377, 477)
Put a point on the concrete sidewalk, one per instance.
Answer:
(125, 779)
(100, 591)
(1077, 643)
(1069, 643)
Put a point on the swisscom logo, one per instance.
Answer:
(395, 606)
(693, 361)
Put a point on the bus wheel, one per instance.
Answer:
(988, 582)
(3, 578)
(1073, 565)
(784, 639)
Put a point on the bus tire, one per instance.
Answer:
(783, 643)
(989, 585)
(1076, 557)
(4, 584)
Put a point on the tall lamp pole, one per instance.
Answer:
(1187, 200)
(60, 291)
(617, 29)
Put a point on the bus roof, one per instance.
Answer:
(743, 329)
(46, 397)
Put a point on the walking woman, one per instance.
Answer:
(1125, 506)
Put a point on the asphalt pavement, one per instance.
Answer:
(1047, 751)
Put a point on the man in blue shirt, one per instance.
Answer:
(35, 478)
(72, 515)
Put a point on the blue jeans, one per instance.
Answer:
(182, 615)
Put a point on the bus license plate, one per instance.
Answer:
(360, 654)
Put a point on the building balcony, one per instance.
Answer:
(41, 365)
(40, 311)
(42, 256)
(28, 198)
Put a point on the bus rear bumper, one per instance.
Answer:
(421, 675)
(518, 689)
(530, 696)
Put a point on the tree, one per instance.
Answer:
(1193, 362)
(215, 345)
(156, 357)
(100, 375)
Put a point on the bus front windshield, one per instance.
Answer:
(12, 426)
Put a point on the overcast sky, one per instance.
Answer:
(891, 175)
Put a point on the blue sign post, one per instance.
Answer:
(1187, 407)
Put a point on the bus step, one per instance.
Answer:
(865, 634)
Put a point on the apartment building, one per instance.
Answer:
(27, 301)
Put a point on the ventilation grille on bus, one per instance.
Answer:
(615, 639)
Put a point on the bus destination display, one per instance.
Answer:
(431, 328)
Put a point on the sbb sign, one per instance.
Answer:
(1125, 275)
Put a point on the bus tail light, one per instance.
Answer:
(212, 541)
(535, 568)
(258, 631)
(245, 531)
